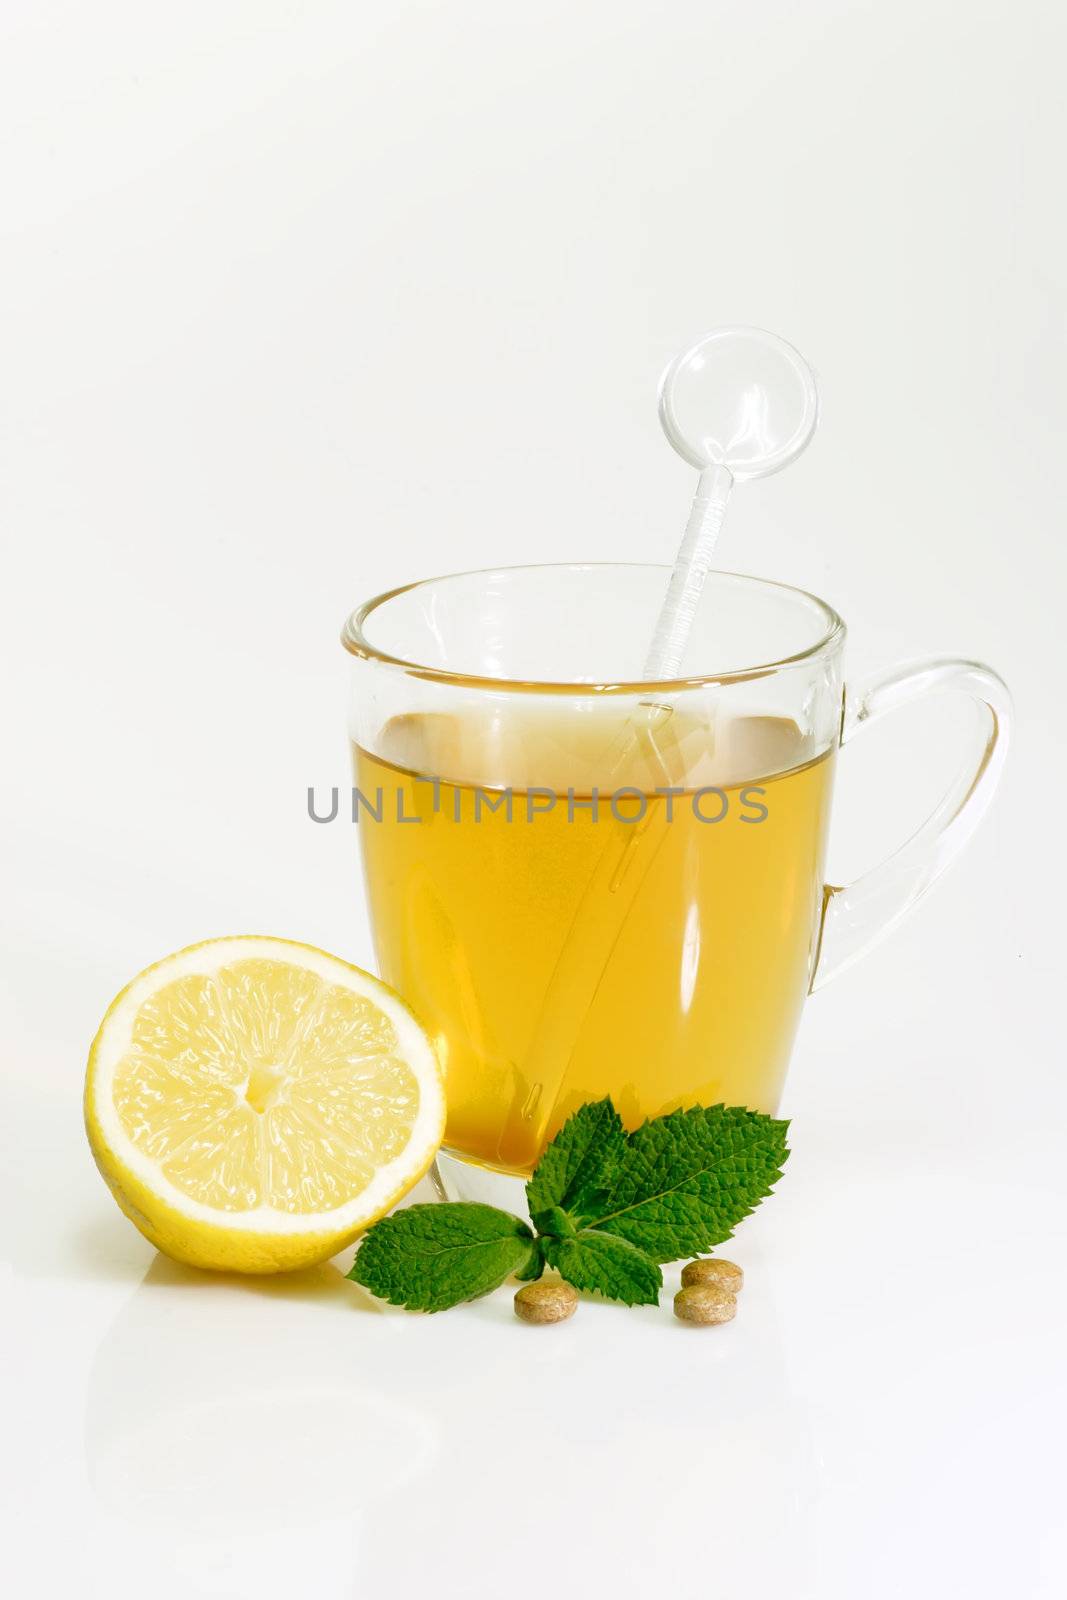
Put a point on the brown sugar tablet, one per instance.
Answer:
(712, 1269)
(547, 1300)
(705, 1304)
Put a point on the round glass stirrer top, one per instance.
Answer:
(740, 403)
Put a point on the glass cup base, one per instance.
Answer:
(456, 1179)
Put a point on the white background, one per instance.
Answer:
(304, 300)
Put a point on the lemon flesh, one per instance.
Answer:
(254, 1104)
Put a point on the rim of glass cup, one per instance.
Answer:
(355, 641)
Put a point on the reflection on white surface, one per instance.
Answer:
(294, 1427)
(885, 1402)
(228, 1423)
(225, 1427)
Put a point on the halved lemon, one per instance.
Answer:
(254, 1104)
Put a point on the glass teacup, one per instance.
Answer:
(585, 884)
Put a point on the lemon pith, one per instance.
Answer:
(254, 1103)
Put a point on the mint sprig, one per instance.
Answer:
(606, 1208)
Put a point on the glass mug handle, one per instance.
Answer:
(857, 915)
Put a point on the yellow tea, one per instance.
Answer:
(575, 933)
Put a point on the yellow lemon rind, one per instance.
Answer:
(257, 1241)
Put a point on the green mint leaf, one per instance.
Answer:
(687, 1179)
(603, 1263)
(429, 1257)
(576, 1169)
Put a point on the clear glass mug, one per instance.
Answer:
(587, 884)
